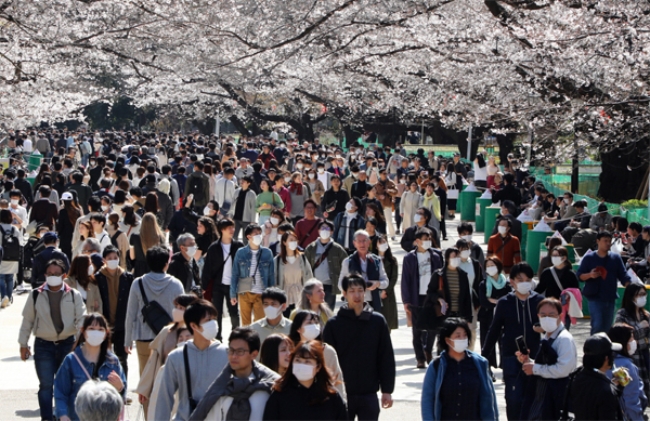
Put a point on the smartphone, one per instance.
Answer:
(521, 344)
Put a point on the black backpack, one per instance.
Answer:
(196, 187)
(10, 245)
(154, 315)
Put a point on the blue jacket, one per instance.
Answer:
(431, 408)
(71, 377)
(633, 399)
(600, 289)
(242, 264)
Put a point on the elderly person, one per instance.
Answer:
(183, 265)
(98, 401)
(601, 220)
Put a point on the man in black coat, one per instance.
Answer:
(40, 260)
(25, 187)
(182, 265)
(508, 192)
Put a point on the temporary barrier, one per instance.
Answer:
(490, 219)
(468, 205)
(481, 204)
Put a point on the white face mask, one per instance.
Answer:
(54, 281)
(112, 264)
(549, 324)
(274, 220)
(567, 201)
(454, 262)
(209, 330)
(291, 259)
(321, 170)
(502, 230)
(382, 247)
(311, 175)
(557, 260)
(95, 337)
(105, 207)
(287, 180)
(631, 347)
(492, 270)
(426, 244)
(464, 255)
(303, 372)
(272, 312)
(91, 270)
(641, 301)
(311, 331)
(417, 218)
(191, 251)
(467, 237)
(293, 245)
(325, 235)
(299, 166)
(257, 239)
(460, 345)
(524, 287)
(206, 211)
(349, 206)
(177, 315)
(14, 201)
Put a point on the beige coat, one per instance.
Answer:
(93, 298)
(160, 347)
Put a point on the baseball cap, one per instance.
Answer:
(600, 344)
(48, 237)
(67, 196)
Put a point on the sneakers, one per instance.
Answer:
(5, 302)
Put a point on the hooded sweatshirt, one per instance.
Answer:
(158, 287)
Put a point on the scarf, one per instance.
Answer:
(497, 284)
(296, 188)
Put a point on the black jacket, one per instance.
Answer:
(331, 197)
(126, 279)
(409, 237)
(364, 348)
(508, 192)
(26, 189)
(592, 396)
(465, 300)
(548, 286)
(294, 403)
(214, 260)
(184, 271)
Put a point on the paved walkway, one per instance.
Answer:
(19, 384)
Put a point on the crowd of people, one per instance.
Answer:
(138, 243)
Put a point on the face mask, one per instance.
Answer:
(257, 239)
(383, 247)
(402, 181)
(417, 218)
(557, 260)
(641, 301)
(272, 312)
(464, 255)
(454, 262)
(209, 330)
(299, 166)
(303, 372)
(566, 201)
(274, 220)
(631, 347)
(467, 237)
(311, 332)
(293, 245)
(312, 175)
(206, 211)
(549, 324)
(460, 345)
(325, 235)
(177, 315)
(112, 264)
(192, 250)
(291, 259)
(349, 206)
(287, 180)
(492, 270)
(524, 287)
(54, 281)
(503, 230)
(95, 337)
(321, 170)
(14, 201)
(426, 244)
(105, 208)
(91, 270)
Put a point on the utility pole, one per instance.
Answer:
(469, 144)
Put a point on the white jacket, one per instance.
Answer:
(257, 400)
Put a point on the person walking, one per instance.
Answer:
(412, 199)
(505, 246)
(11, 242)
(388, 299)
(292, 269)
(347, 223)
(494, 286)
(243, 210)
(274, 301)
(559, 276)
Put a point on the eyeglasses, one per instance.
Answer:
(238, 352)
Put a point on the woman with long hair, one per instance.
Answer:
(292, 269)
(492, 170)
(306, 391)
(560, 273)
(270, 234)
(480, 172)
(130, 223)
(432, 202)
(267, 201)
(118, 237)
(90, 359)
(313, 299)
(68, 216)
(207, 234)
(441, 191)
(275, 352)
(411, 201)
(494, 286)
(298, 192)
(373, 211)
(81, 277)
(150, 236)
(388, 298)
(85, 232)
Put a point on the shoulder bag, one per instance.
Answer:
(246, 284)
(153, 313)
(188, 380)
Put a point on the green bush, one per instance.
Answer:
(635, 203)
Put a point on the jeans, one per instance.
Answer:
(262, 219)
(117, 337)
(365, 407)
(330, 297)
(515, 385)
(48, 357)
(241, 226)
(602, 315)
(219, 294)
(6, 285)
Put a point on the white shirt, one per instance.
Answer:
(224, 192)
(468, 267)
(226, 278)
(424, 268)
(104, 239)
(21, 213)
(567, 356)
(349, 217)
(258, 286)
(323, 178)
(27, 145)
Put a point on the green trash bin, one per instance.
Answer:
(481, 204)
(534, 241)
(34, 162)
(490, 219)
(459, 201)
(468, 205)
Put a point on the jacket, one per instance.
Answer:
(467, 301)
(40, 261)
(516, 229)
(84, 192)
(633, 399)
(433, 381)
(213, 273)
(93, 299)
(340, 227)
(508, 192)
(160, 348)
(250, 209)
(548, 286)
(294, 403)
(166, 209)
(592, 396)
(409, 237)
(71, 377)
(411, 277)
(25, 188)
(201, 188)
(335, 258)
(388, 190)
(507, 248)
(158, 287)
(336, 200)
(126, 280)
(185, 271)
(374, 368)
(241, 268)
(37, 317)
(600, 289)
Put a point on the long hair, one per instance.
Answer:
(150, 233)
(283, 248)
(210, 228)
(307, 290)
(73, 210)
(379, 215)
(628, 299)
(323, 384)
(151, 203)
(129, 216)
(298, 320)
(388, 254)
(99, 320)
(79, 270)
(91, 233)
(270, 350)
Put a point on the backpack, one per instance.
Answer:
(196, 187)
(10, 245)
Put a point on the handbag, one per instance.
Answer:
(428, 317)
(246, 284)
(452, 193)
(188, 380)
(155, 316)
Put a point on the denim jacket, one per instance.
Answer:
(71, 377)
(241, 268)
